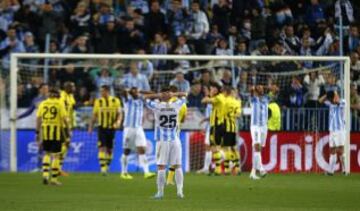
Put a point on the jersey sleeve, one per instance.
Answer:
(182, 112)
(327, 103)
(342, 103)
(63, 112)
(96, 107)
(151, 104)
(40, 110)
(179, 103)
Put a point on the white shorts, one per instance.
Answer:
(258, 135)
(168, 153)
(134, 137)
(337, 138)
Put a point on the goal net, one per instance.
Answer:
(293, 83)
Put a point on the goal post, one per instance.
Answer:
(14, 60)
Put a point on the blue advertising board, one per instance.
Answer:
(83, 153)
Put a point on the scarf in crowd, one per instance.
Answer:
(348, 9)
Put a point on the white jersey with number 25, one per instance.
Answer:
(166, 118)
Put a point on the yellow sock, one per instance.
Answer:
(171, 174)
(55, 164)
(62, 155)
(236, 160)
(217, 160)
(46, 166)
(227, 161)
(102, 160)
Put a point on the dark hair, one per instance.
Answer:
(42, 85)
(330, 95)
(227, 89)
(106, 87)
(54, 91)
(173, 88)
(216, 85)
(165, 89)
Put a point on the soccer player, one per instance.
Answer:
(43, 95)
(50, 122)
(107, 113)
(134, 135)
(337, 129)
(232, 112)
(217, 100)
(168, 145)
(67, 97)
(181, 119)
(259, 115)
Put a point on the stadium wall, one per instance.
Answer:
(284, 152)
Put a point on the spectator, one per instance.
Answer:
(295, 93)
(135, 79)
(8, 8)
(105, 78)
(107, 39)
(242, 51)
(80, 20)
(145, 66)
(28, 19)
(352, 41)
(195, 96)
(205, 78)
(104, 15)
(180, 82)
(81, 45)
(155, 20)
(330, 85)
(83, 97)
(355, 67)
(226, 79)
(221, 16)
(223, 50)
(49, 21)
(291, 41)
(306, 50)
(198, 28)
(178, 18)
(30, 47)
(245, 29)
(314, 13)
(130, 38)
(10, 45)
(354, 99)
(313, 83)
(103, 63)
(258, 28)
(161, 47)
(182, 48)
(214, 36)
(68, 74)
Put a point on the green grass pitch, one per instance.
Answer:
(95, 192)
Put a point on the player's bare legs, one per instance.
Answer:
(341, 154)
(124, 165)
(332, 161)
(144, 162)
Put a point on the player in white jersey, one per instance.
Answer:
(208, 153)
(259, 116)
(168, 146)
(337, 131)
(134, 136)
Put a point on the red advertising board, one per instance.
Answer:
(293, 151)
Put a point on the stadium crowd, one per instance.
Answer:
(218, 27)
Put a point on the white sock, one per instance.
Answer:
(161, 177)
(144, 163)
(258, 161)
(207, 161)
(342, 161)
(179, 178)
(124, 164)
(332, 161)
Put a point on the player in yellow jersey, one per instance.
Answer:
(67, 97)
(217, 100)
(231, 112)
(107, 113)
(50, 122)
(181, 119)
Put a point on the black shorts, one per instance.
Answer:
(216, 135)
(229, 139)
(51, 146)
(106, 137)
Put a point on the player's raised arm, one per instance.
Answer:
(119, 116)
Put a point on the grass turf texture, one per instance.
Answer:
(95, 192)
